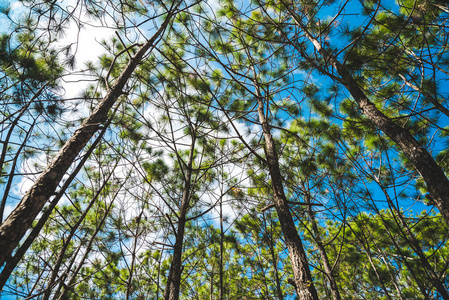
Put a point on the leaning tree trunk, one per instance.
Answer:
(21, 218)
(12, 262)
(433, 175)
(274, 259)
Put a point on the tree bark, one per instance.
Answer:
(324, 258)
(13, 261)
(20, 220)
(433, 175)
(71, 281)
(220, 266)
(305, 288)
(274, 259)
(174, 279)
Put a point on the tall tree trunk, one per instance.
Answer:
(433, 175)
(66, 242)
(21, 218)
(174, 279)
(324, 258)
(220, 266)
(211, 281)
(14, 260)
(71, 281)
(274, 258)
(305, 288)
(129, 286)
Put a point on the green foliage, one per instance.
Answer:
(156, 170)
(367, 253)
(184, 159)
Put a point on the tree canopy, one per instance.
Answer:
(224, 149)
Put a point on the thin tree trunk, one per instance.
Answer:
(366, 247)
(22, 217)
(71, 280)
(274, 258)
(324, 258)
(211, 288)
(66, 243)
(5, 148)
(220, 266)
(133, 259)
(12, 172)
(381, 280)
(414, 244)
(409, 267)
(159, 262)
(392, 275)
(69, 267)
(174, 279)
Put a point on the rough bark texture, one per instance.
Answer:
(13, 261)
(433, 175)
(20, 220)
(305, 288)
(174, 280)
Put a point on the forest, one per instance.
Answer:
(224, 149)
